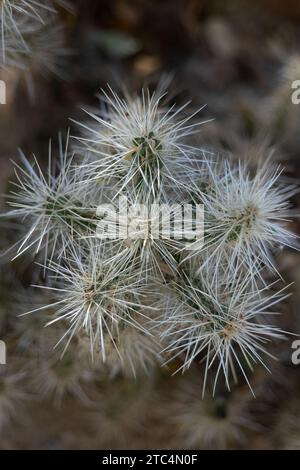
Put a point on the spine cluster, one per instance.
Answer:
(138, 299)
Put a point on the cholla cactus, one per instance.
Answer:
(51, 203)
(13, 14)
(226, 325)
(97, 296)
(246, 218)
(143, 226)
(32, 40)
(214, 302)
(47, 54)
(137, 142)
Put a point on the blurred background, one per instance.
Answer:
(237, 57)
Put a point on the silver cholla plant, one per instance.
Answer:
(137, 298)
(32, 39)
